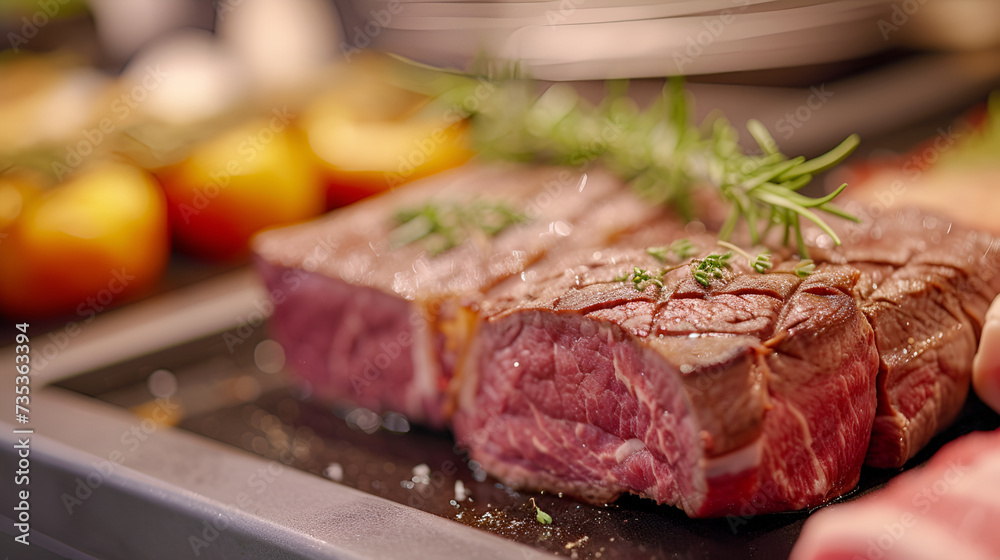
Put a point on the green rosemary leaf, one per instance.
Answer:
(825, 161)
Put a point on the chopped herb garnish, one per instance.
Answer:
(681, 249)
(443, 226)
(641, 278)
(760, 263)
(541, 516)
(805, 268)
(710, 267)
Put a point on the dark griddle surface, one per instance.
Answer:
(229, 400)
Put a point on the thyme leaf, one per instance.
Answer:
(805, 268)
(541, 516)
(710, 267)
(641, 278)
(762, 262)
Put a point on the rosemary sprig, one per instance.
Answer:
(658, 150)
(765, 186)
(442, 226)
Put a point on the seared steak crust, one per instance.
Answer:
(759, 389)
(925, 286)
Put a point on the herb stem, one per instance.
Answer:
(825, 161)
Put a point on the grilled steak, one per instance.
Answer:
(948, 509)
(902, 306)
(757, 393)
(925, 286)
(368, 320)
(753, 395)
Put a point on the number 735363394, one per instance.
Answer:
(22, 381)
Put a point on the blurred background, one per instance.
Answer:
(142, 143)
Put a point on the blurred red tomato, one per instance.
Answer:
(81, 246)
(256, 175)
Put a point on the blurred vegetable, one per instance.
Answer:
(256, 175)
(49, 101)
(183, 79)
(82, 246)
(365, 158)
(302, 38)
(972, 142)
(27, 8)
(370, 136)
(978, 138)
(18, 187)
(954, 172)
